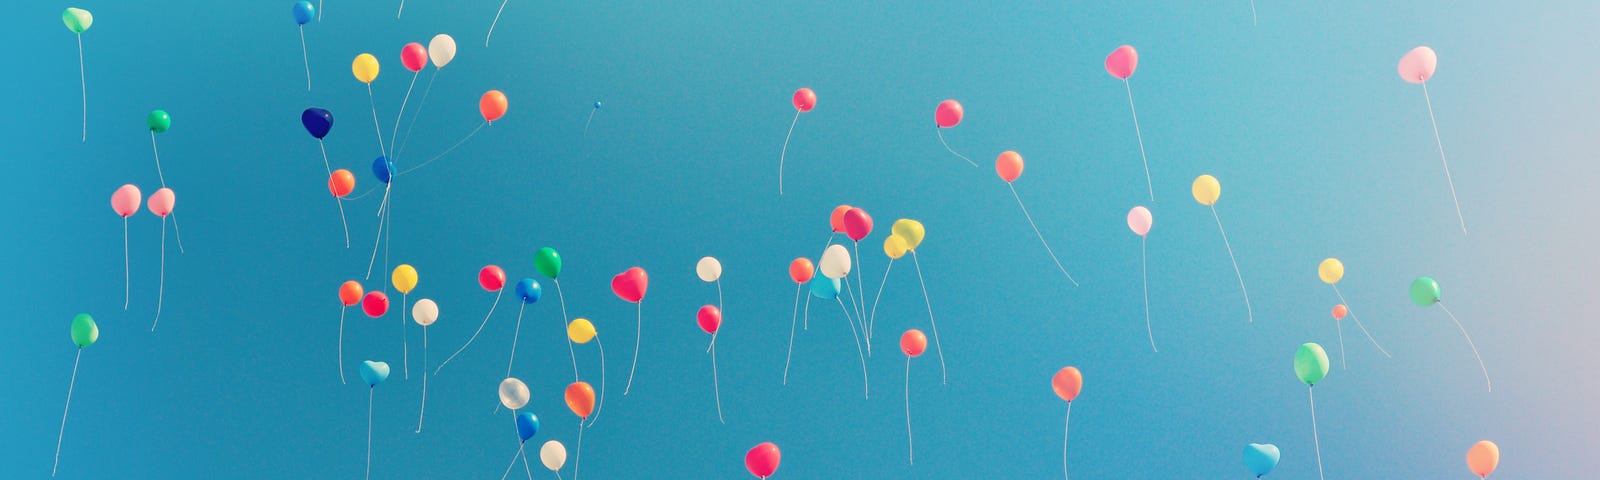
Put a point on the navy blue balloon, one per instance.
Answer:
(527, 425)
(318, 121)
(383, 168)
(529, 290)
(303, 13)
(596, 104)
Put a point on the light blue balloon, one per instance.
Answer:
(596, 104)
(1260, 458)
(374, 373)
(527, 425)
(303, 12)
(824, 287)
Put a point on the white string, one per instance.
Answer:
(402, 9)
(474, 334)
(1315, 441)
(514, 458)
(865, 390)
(944, 376)
(570, 351)
(361, 195)
(375, 127)
(379, 236)
(125, 276)
(158, 159)
(70, 385)
(525, 468)
(514, 334)
(425, 91)
(1145, 272)
(577, 461)
(940, 131)
(405, 340)
(1342, 363)
(719, 310)
(715, 386)
(596, 416)
(784, 153)
(911, 447)
(341, 344)
(1486, 381)
(319, 11)
(403, 102)
(446, 151)
(793, 317)
(861, 309)
(873, 316)
(1140, 135)
(587, 122)
(1041, 235)
(424, 407)
(83, 84)
(161, 292)
(370, 389)
(496, 20)
(852, 304)
(305, 58)
(1353, 316)
(638, 329)
(1225, 243)
(1446, 163)
(1065, 430)
(177, 230)
(1252, 13)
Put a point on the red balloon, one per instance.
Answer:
(1067, 383)
(763, 460)
(857, 224)
(805, 99)
(492, 105)
(375, 304)
(492, 278)
(1339, 311)
(414, 56)
(836, 219)
(710, 318)
(948, 114)
(341, 183)
(913, 343)
(631, 284)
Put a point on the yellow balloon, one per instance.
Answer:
(404, 278)
(895, 247)
(1206, 190)
(365, 67)
(581, 331)
(910, 231)
(1331, 270)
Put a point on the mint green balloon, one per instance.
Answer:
(77, 19)
(547, 262)
(1425, 291)
(84, 331)
(158, 121)
(1311, 363)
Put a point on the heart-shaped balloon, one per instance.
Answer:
(1260, 458)
(374, 373)
(630, 285)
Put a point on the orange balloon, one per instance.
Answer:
(1339, 311)
(1483, 457)
(801, 270)
(492, 105)
(580, 398)
(913, 343)
(341, 183)
(1067, 383)
(350, 293)
(1009, 166)
(836, 220)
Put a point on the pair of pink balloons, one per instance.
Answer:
(125, 201)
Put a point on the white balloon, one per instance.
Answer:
(425, 312)
(553, 454)
(442, 49)
(513, 393)
(709, 269)
(835, 262)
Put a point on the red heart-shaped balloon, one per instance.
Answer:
(710, 318)
(630, 285)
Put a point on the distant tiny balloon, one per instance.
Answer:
(948, 114)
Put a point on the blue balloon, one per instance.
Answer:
(383, 168)
(303, 13)
(527, 425)
(318, 121)
(1260, 458)
(596, 104)
(374, 373)
(529, 290)
(824, 287)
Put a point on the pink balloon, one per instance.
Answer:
(1139, 220)
(857, 224)
(492, 278)
(1122, 62)
(948, 114)
(126, 200)
(161, 202)
(1418, 64)
(631, 284)
(804, 100)
(414, 56)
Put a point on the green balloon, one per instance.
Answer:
(1424, 291)
(84, 331)
(159, 121)
(1310, 363)
(547, 262)
(77, 19)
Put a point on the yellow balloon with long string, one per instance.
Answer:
(365, 67)
(1206, 190)
(581, 331)
(405, 278)
(895, 247)
(909, 230)
(1330, 271)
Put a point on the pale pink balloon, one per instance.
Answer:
(1139, 220)
(161, 202)
(1418, 64)
(948, 114)
(126, 200)
(1122, 62)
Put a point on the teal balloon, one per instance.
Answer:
(374, 373)
(84, 331)
(1260, 458)
(824, 287)
(1424, 291)
(1311, 363)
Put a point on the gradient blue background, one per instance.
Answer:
(1322, 151)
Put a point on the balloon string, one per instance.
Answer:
(325, 165)
(447, 150)
(319, 11)
(852, 304)
(570, 351)
(1353, 316)
(370, 389)
(865, 390)
(577, 461)
(785, 152)
(425, 91)
(940, 131)
(1446, 163)
(125, 276)
(1035, 226)
(1470, 344)
(403, 102)
(638, 329)
(861, 309)
(375, 127)
(474, 334)
(305, 58)
(402, 9)
(405, 341)
(514, 334)
(177, 231)
(716, 388)
(1315, 441)
(342, 222)
(911, 448)
(496, 20)
(514, 458)
(161, 290)
(1342, 363)
(1252, 13)
(378, 237)
(1144, 270)
(719, 308)
(591, 120)
(525, 468)
(1140, 135)
(70, 385)
(1225, 243)
(424, 407)
(943, 374)
(362, 195)
(793, 317)
(83, 85)
(341, 345)
(158, 159)
(596, 416)
(873, 316)
(1066, 428)
(388, 229)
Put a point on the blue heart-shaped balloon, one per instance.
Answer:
(824, 287)
(1260, 458)
(374, 373)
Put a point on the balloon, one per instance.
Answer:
(1424, 291)
(1122, 62)
(529, 291)
(948, 114)
(492, 105)
(580, 399)
(125, 201)
(513, 393)
(1310, 363)
(801, 270)
(1067, 383)
(491, 278)
(527, 425)
(857, 224)
(710, 318)
(158, 121)
(304, 12)
(553, 454)
(77, 19)
(425, 312)
(1483, 457)
(804, 100)
(596, 104)
(84, 331)
(825, 288)
(1206, 189)
(1139, 220)
(913, 342)
(1417, 65)
(835, 262)
(1008, 166)
(350, 293)
(318, 121)
(1330, 271)
(910, 230)
(375, 304)
(581, 331)
(383, 168)
(762, 460)
(547, 262)
(341, 182)
(404, 278)
(374, 373)
(836, 219)
(895, 247)
(631, 284)
(365, 68)
(1260, 458)
(442, 49)
(1339, 311)
(413, 56)
(709, 269)
(161, 202)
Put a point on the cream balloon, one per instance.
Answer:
(425, 312)
(513, 393)
(442, 49)
(835, 262)
(553, 454)
(709, 269)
